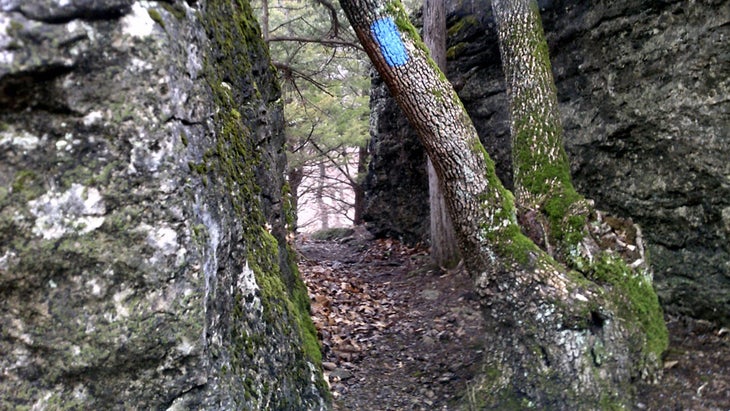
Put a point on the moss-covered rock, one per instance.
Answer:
(143, 260)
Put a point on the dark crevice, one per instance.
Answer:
(545, 358)
(184, 121)
(197, 388)
(64, 16)
(596, 322)
(34, 89)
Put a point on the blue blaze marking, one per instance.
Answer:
(391, 46)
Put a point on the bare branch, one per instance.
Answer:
(326, 42)
(353, 183)
(306, 140)
(335, 23)
(290, 72)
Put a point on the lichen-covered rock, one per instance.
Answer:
(143, 261)
(642, 89)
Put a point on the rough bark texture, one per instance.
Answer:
(547, 203)
(444, 249)
(428, 103)
(538, 155)
(641, 89)
(557, 340)
(142, 255)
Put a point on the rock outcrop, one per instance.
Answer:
(643, 93)
(143, 258)
(396, 185)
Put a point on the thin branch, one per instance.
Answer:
(289, 73)
(353, 183)
(287, 23)
(306, 140)
(325, 42)
(335, 23)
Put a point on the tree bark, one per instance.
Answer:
(444, 249)
(362, 160)
(559, 338)
(543, 188)
(295, 175)
(322, 208)
(265, 20)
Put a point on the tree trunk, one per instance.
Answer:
(444, 249)
(295, 177)
(357, 186)
(265, 20)
(559, 338)
(543, 188)
(322, 208)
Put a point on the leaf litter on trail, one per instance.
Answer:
(346, 311)
(397, 336)
(395, 333)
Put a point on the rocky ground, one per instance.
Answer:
(400, 334)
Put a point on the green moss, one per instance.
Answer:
(14, 28)
(330, 234)
(549, 178)
(234, 159)
(156, 16)
(542, 168)
(279, 301)
(22, 178)
(199, 232)
(199, 168)
(609, 402)
(489, 394)
(566, 227)
(312, 349)
(467, 21)
(101, 177)
(509, 240)
(26, 186)
(455, 50)
(89, 173)
(290, 213)
(58, 401)
(300, 296)
(636, 298)
(176, 9)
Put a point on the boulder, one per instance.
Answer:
(143, 258)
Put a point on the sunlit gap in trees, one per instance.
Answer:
(325, 89)
(326, 196)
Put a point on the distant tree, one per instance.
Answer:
(324, 79)
(572, 316)
(329, 130)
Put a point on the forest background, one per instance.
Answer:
(325, 78)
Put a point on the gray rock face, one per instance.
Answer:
(143, 260)
(643, 92)
(396, 185)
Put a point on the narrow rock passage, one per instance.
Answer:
(397, 334)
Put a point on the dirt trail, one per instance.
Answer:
(400, 334)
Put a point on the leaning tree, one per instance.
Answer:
(566, 292)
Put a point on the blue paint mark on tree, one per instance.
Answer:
(388, 37)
